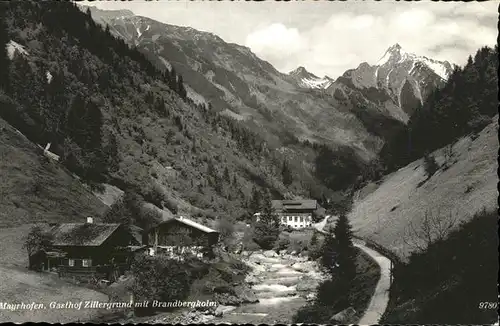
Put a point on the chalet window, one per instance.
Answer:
(86, 262)
(71, 262)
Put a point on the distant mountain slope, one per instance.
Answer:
(34, 189)
(361, 109)
(234, 80)
(385, 214)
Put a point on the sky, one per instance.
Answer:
(328, 38)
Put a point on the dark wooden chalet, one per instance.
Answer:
(181, 233)
(99, 249)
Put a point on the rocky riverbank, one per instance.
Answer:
(275, 288)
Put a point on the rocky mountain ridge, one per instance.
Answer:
(241, 85)
(402, 80)
(306, 79)
(360, 110)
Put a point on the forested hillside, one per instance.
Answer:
(460, 271)
(115, 118)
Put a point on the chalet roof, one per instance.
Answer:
(82, 234)
(298, 204)
(191, 223)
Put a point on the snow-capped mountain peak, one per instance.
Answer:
(302, 73)
(307, 79)
(397, 56)
(403, 80)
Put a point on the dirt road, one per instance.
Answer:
(380, 298)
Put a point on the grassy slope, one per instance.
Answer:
(464, 189)
(25, 286)
(34, 189)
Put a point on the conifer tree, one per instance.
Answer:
(173, 80)
(4, 59)
(256, 201)
(227, 177)
(328, 252)
(112, 154)
(181, 88)
(286, 174)
(345, 251)
(76, 120)
(94, 125)
(267, 230)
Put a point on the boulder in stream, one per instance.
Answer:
(344, 317)
(302, 267)
(307, 284)
(245, 294)
(269, 253)
(310, 297)
(252, 279)
(235, 296)
(221, 310)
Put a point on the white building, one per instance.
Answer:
(294, 213)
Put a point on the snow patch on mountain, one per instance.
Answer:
(13, 47)
(436, 66)
(412, 68)
(322, 83)
(166, 63)
(306, 79)
(384, 59)
(48, 75)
